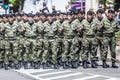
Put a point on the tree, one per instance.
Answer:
(103, 2)
(17, 4)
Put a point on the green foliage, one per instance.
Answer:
(102, 1)
(16, 2)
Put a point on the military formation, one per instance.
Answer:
(65, 40)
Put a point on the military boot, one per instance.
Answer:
(31, 64)
(65, 65)
(17, 66)
(105, 65)
(11, 64)
(74, 64)
(44, 65)
(114, 65)
(79, 62)
(60, 62)
(6, 66)
(55, 66)
(85, 64)
(36, 65)
(93, 64)
(20, 64)
(1, 64)
(25, 65)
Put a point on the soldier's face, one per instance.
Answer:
(10, 19)
(25, 17)
(110, 15)
(83, 15)
(5, 19)
(36, 18)
(79, 15)
(43, 17)
(1, 19)
(61, 16)
(89, 17)
(50, 18)
(99, 15)
(64, 16)
(18, 18)
(30, 19)
(69, 17)
(57, 17)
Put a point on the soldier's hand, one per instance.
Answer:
(80, 29)
(60, 28)
(101, 26)
(1, 30)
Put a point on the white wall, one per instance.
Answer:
(60, 4)
(91, 4)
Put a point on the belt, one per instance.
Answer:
(10, 38)
(31, 37)
(69, 37)
(90, 36)
(109, 35)
(49, 37)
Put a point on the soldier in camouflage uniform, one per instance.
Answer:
(57, 44)
(68, 36)
(20, 38)
(38, 45)
(2, 49)
(48, 41)
(89, 41)
(108, 30)
(99, 23)
(10, 37)
(31, 36)
(76, 49)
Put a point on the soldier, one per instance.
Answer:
(38, 46)
(2, 49)
(10, 37)
(68, 36)
(57, 44)
(89, 41)
(109, 29)
(31, 36)
(76, 49)
(48, 40)
(20, 38)
(99, 23)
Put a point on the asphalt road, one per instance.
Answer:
(62, 74)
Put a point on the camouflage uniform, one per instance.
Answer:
(67, 42)
(2, 48)
(109, 29)
(10, 37)
(57, 44)
(89, 41)
(48, 43)
(31, 36)
(76, 48)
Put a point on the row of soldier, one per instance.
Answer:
(64, 39)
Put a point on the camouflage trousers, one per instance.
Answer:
(2, 49)
(90, 45)
(29, 44)
(76, 49)
(37, 50)
(11, 50)
(106, 41)
(56, 48)
(48, 45)
(67, 43)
